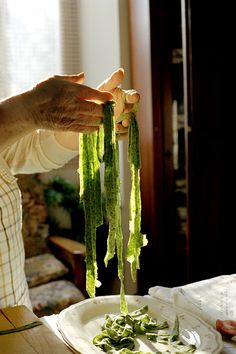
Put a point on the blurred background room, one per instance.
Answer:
(174, 54)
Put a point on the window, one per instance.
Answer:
(30, 41)
(42, 38)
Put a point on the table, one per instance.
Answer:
(43, 339)
(40, 339)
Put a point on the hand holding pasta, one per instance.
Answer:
(61, 104)
(126, 101)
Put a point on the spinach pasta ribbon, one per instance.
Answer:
(97, 148)
(136, 239)
(90, 194)
(112, 193)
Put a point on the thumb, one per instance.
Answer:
(112, 81)
(78, 78)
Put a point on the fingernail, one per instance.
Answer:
(108, 94)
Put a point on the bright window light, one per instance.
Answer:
(33, 42)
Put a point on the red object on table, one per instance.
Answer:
(226, 327)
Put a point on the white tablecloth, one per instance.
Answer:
(51, 322)
(209, 299)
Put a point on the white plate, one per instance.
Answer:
(79, 323)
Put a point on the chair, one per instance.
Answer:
(55, 265)
(56, 280)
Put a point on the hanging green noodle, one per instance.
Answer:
(90, 192)
(136, 239)
(95, 149)
(112, 192)
(100, 144)
(110, 179)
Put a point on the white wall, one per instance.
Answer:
(99, 39)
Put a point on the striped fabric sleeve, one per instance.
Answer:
(13, 285)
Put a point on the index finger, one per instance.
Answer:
(78, 78)
(92, 94)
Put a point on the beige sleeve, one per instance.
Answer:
(37, 152)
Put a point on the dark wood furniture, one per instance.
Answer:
(72, 254)
(208, 75)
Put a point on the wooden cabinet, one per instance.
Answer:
(209, 71)
(163, 261)
(207, 248)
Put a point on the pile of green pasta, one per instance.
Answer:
(103, 148)
(119, 332)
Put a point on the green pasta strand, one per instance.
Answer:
(100, 144)
(95, 149)
(110, 179)
(136, 239)
(97, 182)
(87, 191)
(112, 191)
(90, 192)
(21, 328)
(133, 147)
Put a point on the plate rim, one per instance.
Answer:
(179, 309)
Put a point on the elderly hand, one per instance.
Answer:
(60, 104)
(126, 100)
(63, 103)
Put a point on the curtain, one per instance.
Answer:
(3, 53)
(38, 39)
(70, 36)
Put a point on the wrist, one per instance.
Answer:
(14, 121)
(69, 140)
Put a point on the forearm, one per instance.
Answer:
(56, 104)
(37, 152)
(13, 121)
(14, 124)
